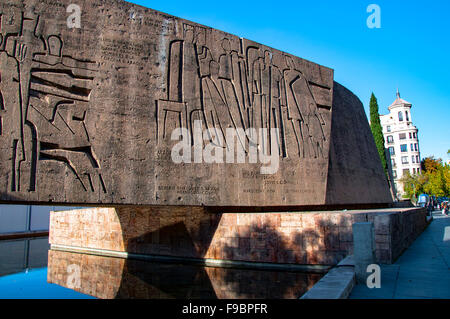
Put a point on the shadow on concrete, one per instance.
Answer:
(263, 243)
(8, 199)
(260, 242)
(324, 243)
(184, 236)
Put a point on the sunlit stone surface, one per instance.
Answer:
(87, 115)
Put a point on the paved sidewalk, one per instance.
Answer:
(422, 271)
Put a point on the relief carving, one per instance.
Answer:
(44, 100)
(87, 114)
(239, 84)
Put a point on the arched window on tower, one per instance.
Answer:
(407, 116)
(400, 116)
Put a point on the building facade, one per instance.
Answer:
(402, 142)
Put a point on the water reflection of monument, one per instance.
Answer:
(108, 278)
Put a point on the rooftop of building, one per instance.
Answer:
(399, 101)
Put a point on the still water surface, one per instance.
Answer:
(28, 269)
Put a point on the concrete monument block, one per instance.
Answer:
(355, 175)
(138, 107)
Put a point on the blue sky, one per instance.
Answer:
(410, 51)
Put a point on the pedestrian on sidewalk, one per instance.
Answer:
(430, 207)
(444, 209)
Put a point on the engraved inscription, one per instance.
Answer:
(126, 52)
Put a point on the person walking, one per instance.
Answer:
(444, 207)
(429, 206)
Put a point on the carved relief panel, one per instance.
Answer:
(87, 115)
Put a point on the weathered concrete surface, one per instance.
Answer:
(336, 284)
(87, 114)
(363, 248)
(355, 173)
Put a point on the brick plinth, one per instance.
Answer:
(314, 238)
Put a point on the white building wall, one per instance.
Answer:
(408, 159)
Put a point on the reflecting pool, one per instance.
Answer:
(28, 269)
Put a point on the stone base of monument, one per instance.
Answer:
(299, 238)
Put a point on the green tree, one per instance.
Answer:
(447, 179)
(437, 176)
(430, 164)
(377, 131)
(436, 184)
(414, 185)
(434, 179)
